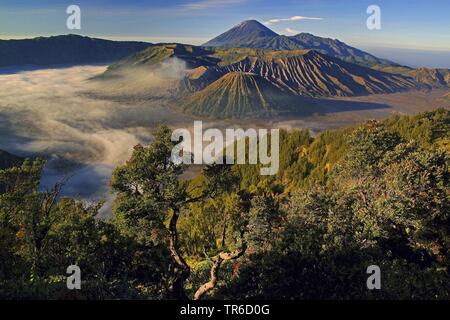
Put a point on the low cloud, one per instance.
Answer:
(141, 81)
(209, 4)
(294, 18)
(61, 115)
(291, 31)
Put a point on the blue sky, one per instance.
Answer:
(413, 24)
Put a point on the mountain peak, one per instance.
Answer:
(252, 23)
(253, 34)
(244, 31)
(254, 26)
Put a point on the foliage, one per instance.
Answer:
(377, 194)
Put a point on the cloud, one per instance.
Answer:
(85, 128)
(155, 39)
(291, 31)
(209, 4)
(188, 8)
(294, 18)
(34, 11)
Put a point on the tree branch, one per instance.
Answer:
(178, 287)
(214, 278)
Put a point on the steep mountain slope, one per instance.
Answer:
(338, 49)
(153, 56)
(247, 32)
(300, 72)
(67, 49)
(245, 36)
(310, 74)
(237, 82)
(237, 95)
(433, 78)
(428, 78)
(193, 56)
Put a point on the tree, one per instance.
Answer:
(152, 194)
(265, 219)
(387, 203)
(41, 234)
(27, 212)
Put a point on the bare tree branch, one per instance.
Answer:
(214, 278)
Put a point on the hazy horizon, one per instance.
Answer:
(411, 24)
(412, 57)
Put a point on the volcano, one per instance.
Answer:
(244, 34)
(238, 95)
(253, 34)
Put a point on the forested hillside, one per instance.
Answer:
(376, 194)
(305, 160)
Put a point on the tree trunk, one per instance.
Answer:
(178, 286)
(224, 231)
(223, 256)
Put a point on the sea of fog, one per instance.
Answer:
(86, 127)
(53, 114)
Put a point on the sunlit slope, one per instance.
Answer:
(311, 74)
(155, 55)
(435, 78)
(235, 82)
(425, 77)
(301, 72)
(239, 94)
